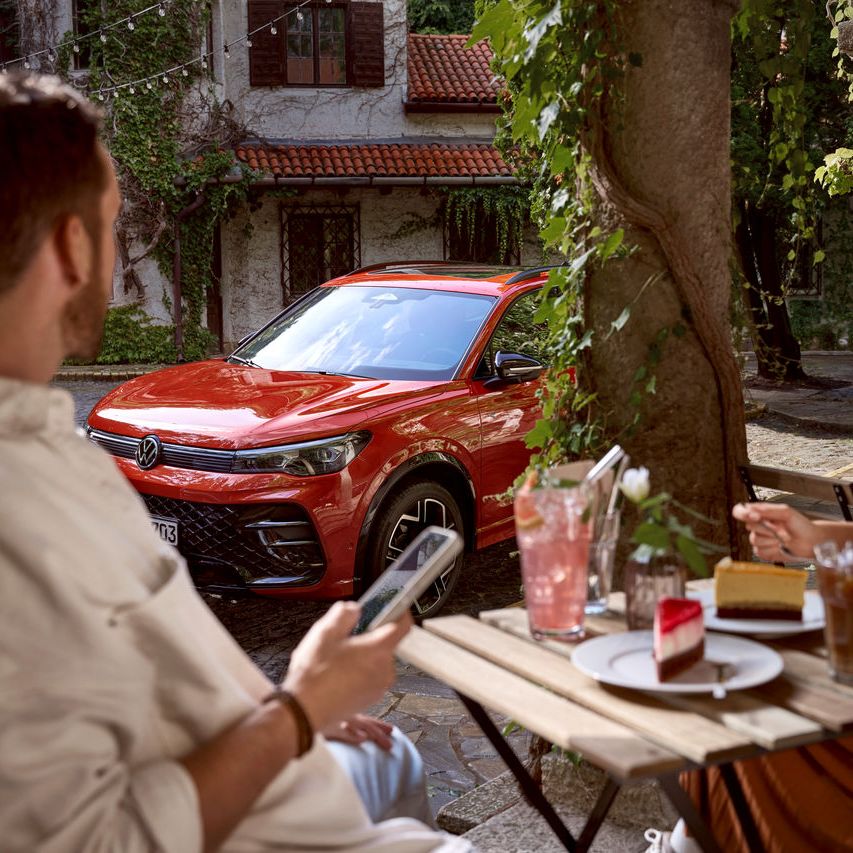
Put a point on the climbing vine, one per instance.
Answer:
(558, 59)
(169, 138)
(505, 207)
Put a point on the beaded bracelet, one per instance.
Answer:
(304, 730)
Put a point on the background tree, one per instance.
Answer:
(626, 107)
(441, 16)
(789, 109)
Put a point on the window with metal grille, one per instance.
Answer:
(320, 43)
(318, 243)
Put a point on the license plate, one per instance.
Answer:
(167, 528)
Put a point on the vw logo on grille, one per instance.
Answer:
(148, 452)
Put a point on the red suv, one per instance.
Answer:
(383, 401)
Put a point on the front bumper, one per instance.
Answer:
(260, 547)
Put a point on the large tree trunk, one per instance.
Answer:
(777, 351)
(661, 169)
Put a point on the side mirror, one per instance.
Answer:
(515, 367)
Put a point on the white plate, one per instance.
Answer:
(625, 660)
(813, 618)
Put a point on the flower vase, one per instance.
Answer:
(649, 576)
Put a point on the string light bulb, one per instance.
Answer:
(131, 25)
(51, 56)
(248, 41)
(204, 63)
(273, 30)
(226, 52)
(76, 47)
(149, 84)
(161, 10)
(185, 72)
(299, 16)
(27, 64)
(103, 37)
(131, 90)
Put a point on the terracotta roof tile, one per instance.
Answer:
(442, 69)
(393, 160)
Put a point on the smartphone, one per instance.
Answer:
(429, 554)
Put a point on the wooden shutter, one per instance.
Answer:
(266, 55)
(366, 39)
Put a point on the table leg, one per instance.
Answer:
(529, 788)
(684, 805)
(599, 813)
(744, 815)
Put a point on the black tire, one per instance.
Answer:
(403, 515)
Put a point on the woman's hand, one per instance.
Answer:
(772, 525)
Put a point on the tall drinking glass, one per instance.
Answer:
(602, 553)
(553, 533)
(835, 582)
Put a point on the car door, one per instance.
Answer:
(508, 411)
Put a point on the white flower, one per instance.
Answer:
(635, 484)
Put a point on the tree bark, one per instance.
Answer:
(660, 151)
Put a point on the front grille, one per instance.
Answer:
(175, 455)
(257, 544)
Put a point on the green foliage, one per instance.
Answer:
(441, 16)
(559, 59)
(131, 338)
(836, 175)
(790, 110)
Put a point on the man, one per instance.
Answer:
(129, 719)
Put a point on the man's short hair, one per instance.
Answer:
(49, 165)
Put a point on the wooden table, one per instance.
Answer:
(494, 662)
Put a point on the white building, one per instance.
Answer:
(364, 125)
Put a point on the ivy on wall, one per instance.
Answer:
(169, 139)
(505, 207)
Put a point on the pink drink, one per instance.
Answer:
(553, 539)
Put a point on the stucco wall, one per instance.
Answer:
(251, 257)
(282, 112)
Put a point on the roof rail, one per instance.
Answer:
(524, 275)
(384, 265)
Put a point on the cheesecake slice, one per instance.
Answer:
(758, 591)
(679, 636)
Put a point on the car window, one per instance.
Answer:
(517, 332)
(375, 332)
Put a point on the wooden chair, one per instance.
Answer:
(827, 490)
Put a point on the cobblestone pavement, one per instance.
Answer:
(456, 755)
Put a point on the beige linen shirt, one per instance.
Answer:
(111, 668)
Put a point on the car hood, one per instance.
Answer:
(217, 404)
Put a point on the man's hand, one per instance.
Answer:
(361, 728)
(335, 675)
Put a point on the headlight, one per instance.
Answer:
(324, 456)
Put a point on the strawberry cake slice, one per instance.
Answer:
(679, 636)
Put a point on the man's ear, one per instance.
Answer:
(74, 249)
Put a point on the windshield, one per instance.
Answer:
(375, 332)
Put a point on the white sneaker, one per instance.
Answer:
(658, 841)
(680, 842)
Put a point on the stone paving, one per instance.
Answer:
(457, 757)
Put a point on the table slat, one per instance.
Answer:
(697, 738)
(753, 717)
(609, 745)
(812, 669)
